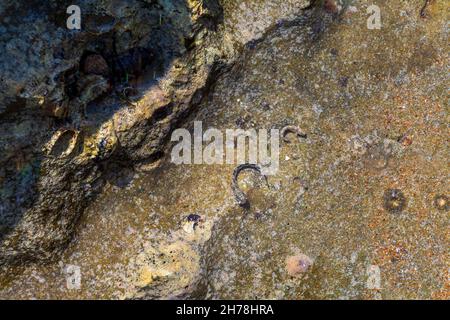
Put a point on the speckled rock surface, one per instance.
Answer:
(247, 21)
(359, 201)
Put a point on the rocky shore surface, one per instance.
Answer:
(357, 210)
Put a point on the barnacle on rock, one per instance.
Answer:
(394, 200)
(441, 202)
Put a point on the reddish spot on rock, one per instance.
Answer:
(297, 265)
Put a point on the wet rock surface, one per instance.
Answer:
(357, 209)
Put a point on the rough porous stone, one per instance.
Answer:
(360, 202)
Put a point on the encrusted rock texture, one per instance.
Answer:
(357, 210)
